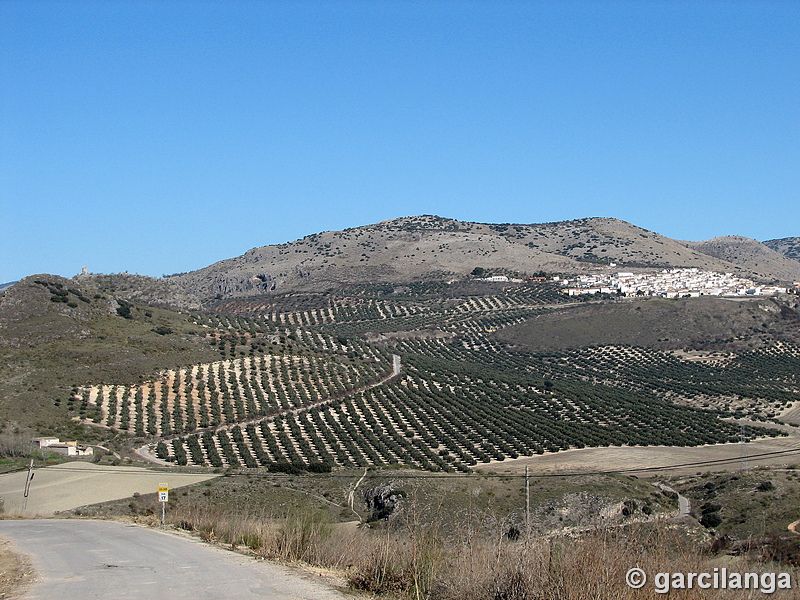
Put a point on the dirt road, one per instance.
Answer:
(112, 561)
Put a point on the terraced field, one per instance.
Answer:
(309, 381)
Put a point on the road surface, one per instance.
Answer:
(684, 506)
(105, 560)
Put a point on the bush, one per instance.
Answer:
(710, 520)
(286, 467)
(319, 467)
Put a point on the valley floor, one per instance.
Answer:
(75, 484)
(656, 459)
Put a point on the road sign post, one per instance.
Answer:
(163, 497)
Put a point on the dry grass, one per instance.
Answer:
(419, 557)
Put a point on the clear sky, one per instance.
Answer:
(159, 137)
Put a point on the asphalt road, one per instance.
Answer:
(684, 506)
(83, 559)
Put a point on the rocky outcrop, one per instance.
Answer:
(383, 501)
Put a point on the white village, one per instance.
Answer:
(669, 283)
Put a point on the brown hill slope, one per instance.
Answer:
(714, 323)
(750, 255)
(400, 250)
(787, 246)
(430, 247)
(611, 240)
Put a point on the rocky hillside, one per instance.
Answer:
(140, 288)
(430, 247)
(788, 246)
(751, 255)
(427, 248)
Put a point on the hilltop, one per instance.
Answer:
(431, 248)
(750, 254)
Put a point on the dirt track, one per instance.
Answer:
(76, 484)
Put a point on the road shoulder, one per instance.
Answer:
(16, 572)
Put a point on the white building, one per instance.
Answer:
(669, 283)
(65, 448)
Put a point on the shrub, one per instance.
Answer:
(710, 520)
(319, 467)
(285, 467)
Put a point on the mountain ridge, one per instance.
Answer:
(432, 247)
(429, 247)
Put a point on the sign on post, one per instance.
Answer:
(163, 492)
(163, 497)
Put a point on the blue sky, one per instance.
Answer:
(159, 137)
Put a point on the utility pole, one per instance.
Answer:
(28, 479)
(527, 501)
(742, 447)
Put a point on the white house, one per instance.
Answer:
(65, 448)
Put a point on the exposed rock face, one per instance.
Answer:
(383, 500)
(167, 291)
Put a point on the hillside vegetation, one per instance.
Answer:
(701, 323)
(787, 246)
(309, 380)
(430, 248)
(57, 334)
